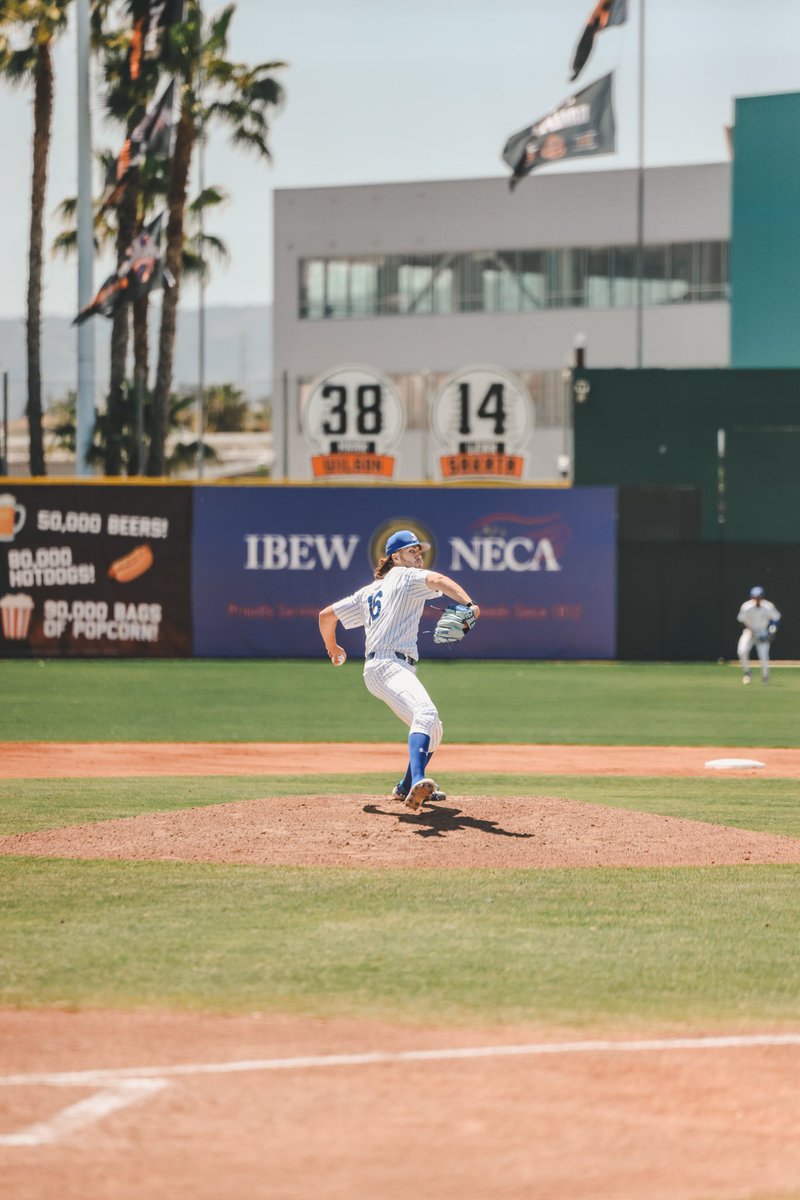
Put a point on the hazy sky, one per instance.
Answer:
(384, 90)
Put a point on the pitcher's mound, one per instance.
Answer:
(362, 831)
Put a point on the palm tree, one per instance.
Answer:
(128, 95)
(200, 249)
(38, 23)
(213, 88)
(123, 432)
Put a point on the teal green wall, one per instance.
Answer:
(656, 428)
(765, 242)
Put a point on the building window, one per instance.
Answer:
(363, 288)
(312, 288)
(532, 279)
(623, 276)
(415, 284)
(337, 288)
(655, 280)
(518, 281)
(714, 270)
(682, 272)
(598, 278)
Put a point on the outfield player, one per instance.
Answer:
(760, 619)
(390, 610)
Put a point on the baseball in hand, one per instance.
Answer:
(338, 659)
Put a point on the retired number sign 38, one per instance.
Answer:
(481, 418)
(353, 419)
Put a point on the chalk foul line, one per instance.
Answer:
(130, 1085)
(306, 1062)
(84, 1112)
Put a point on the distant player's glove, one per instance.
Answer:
(454, 624)
(764, 636)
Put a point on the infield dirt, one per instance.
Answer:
(368, 830)
(47, 760)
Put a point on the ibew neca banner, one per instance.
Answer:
(540, 562)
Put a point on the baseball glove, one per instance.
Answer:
(454, 624)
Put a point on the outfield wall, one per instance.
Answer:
(124, 569)
(678, 600)
(143, 570)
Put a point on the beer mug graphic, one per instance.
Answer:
(12, 517)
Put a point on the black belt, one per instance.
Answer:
(412, 662)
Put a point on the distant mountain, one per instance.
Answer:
(238, 350)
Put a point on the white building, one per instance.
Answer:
(419, 280)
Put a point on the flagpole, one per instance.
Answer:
(201, 310)
(640, 202)
(201, 306)
(84, 406)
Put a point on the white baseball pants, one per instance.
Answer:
(746, 643)
(396, 683)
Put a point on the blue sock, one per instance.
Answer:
(405, 782)
(418, 755)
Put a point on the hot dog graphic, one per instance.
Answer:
(132, 565)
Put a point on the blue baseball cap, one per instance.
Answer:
(401, 540)
(756, 592)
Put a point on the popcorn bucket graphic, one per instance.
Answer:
(16, 613)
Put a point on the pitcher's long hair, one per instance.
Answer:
(384, 567)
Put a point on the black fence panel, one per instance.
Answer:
(678, 602)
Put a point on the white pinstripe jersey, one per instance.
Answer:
(390, 609)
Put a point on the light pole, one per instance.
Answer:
(640, 203)
(84, 407)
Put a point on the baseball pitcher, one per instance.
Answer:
(390, 609)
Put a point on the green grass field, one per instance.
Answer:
(573, 947)
(284, 701)
(587, 948)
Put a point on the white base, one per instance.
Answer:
(723, 764)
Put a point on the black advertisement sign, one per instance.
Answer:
(95, 571)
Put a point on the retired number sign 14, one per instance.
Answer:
(481, 419)
(353, 419)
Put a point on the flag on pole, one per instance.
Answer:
(582, 125)
(161, 16)
(140, 272)
(146, 270)
(152, 135)
(149, 33)
(105, 300)
(604, 13)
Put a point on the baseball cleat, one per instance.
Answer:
(420, 792)
(399, 794)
